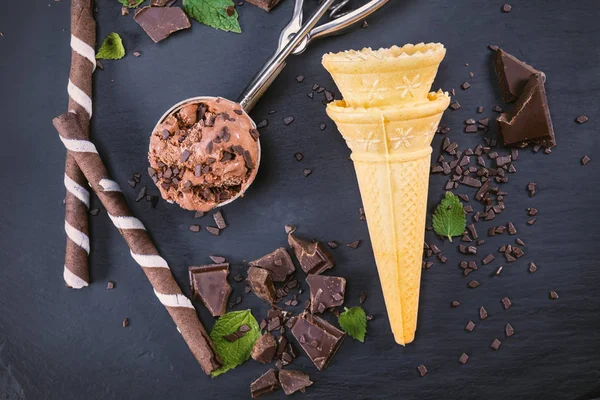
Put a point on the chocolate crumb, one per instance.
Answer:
(495, 344)
(110, 285)
(307, 172)
(506, 8)
(584, 160)
(125, 322)
(288, 120)
(463, 358)
(506, 303)
(532, 267)
(298, 156)
(465, 86)
(300, 78)
(455, 303)
(332, 244)
(362, 297)
(262, 123)
(194, 228)
(553, 295)
(422, 370)
(454, 105)
(473, 284)
(322, 126)
(582, 119)
(94, 212)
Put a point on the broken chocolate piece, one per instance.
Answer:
(219, 220)
(470, 326)
(278, 262)
(463, 358)
(266, 5)
(530, 120)
(483, 314)
(265, 384)
(495, 344)
(261, 284)
(264, 349)
(325, 292)
(512, 74)
(319, 339)
(312, 256)
(422, 370)
(209, 285)
(553, 295)
(291, 381)
(160, 22)
(509, 330)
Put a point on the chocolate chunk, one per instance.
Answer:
(219, 220)
(94, 212)
(354, 245)
(506, 9)
(463, 358)
(470, 129)
(312, 256)
(480, 110)
(470, 326)
(495, 344)
(465, 85)
(266, 5)
(531, 221)
(473, 284)
(582, 119)
(585, 160)
(298, 156)
(160, 22)
(483, 314)
(268, 382)
(506, 303)
(288, 120)
(262, 123)
(218, 259)
(497, 109)
(141, 194)
(307, 172)
(279, 263)
(325, 292)
(455, 304)
(110, 285)
(291, 381)
(209, 285)
(242, 330)
(493, 47)
(530, 120)
(264, 349)
(488, 259)
(467, 180)
(553, 295)
(311, 95)
(319, 339)
(532, 267)
(194, 228)
(261, 284)
(300, 78)
(454, 105)
(422, 370)
(332, 244)
(255, 134)
(213, 230)
(508, 329)
(502, 160)
(125, 322)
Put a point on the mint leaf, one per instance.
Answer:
(112, 48)
(214, 13)
(131, 3)
(234, 353)
(449, 217)
(354, 322)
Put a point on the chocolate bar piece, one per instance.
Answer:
(265, 384)
(261, 284)
(264, 349)
(312, 256)
(325, 292)
(530, 119)
(291, 381)
(278, 262)
(266, 5)
(160, 22)
(513, 75)
(209, 285)
(319, 339)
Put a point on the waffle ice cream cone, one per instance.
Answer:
(385, 77)
(391, 153)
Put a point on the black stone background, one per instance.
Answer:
(57, 343)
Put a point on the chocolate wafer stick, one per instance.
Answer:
(143, 251)
(77, 200)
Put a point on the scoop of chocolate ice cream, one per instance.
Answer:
(204, 153)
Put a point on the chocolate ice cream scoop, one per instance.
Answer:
(204, 153)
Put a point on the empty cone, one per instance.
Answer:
(385, 77)
(391, 153)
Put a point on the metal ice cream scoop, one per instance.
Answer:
(294, 39)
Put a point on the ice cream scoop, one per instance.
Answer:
(203, 170)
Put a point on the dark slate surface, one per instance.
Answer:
(57, 343)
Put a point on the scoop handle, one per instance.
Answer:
(267, 74)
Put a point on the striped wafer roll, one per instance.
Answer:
(83, 63)
(142, 248)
